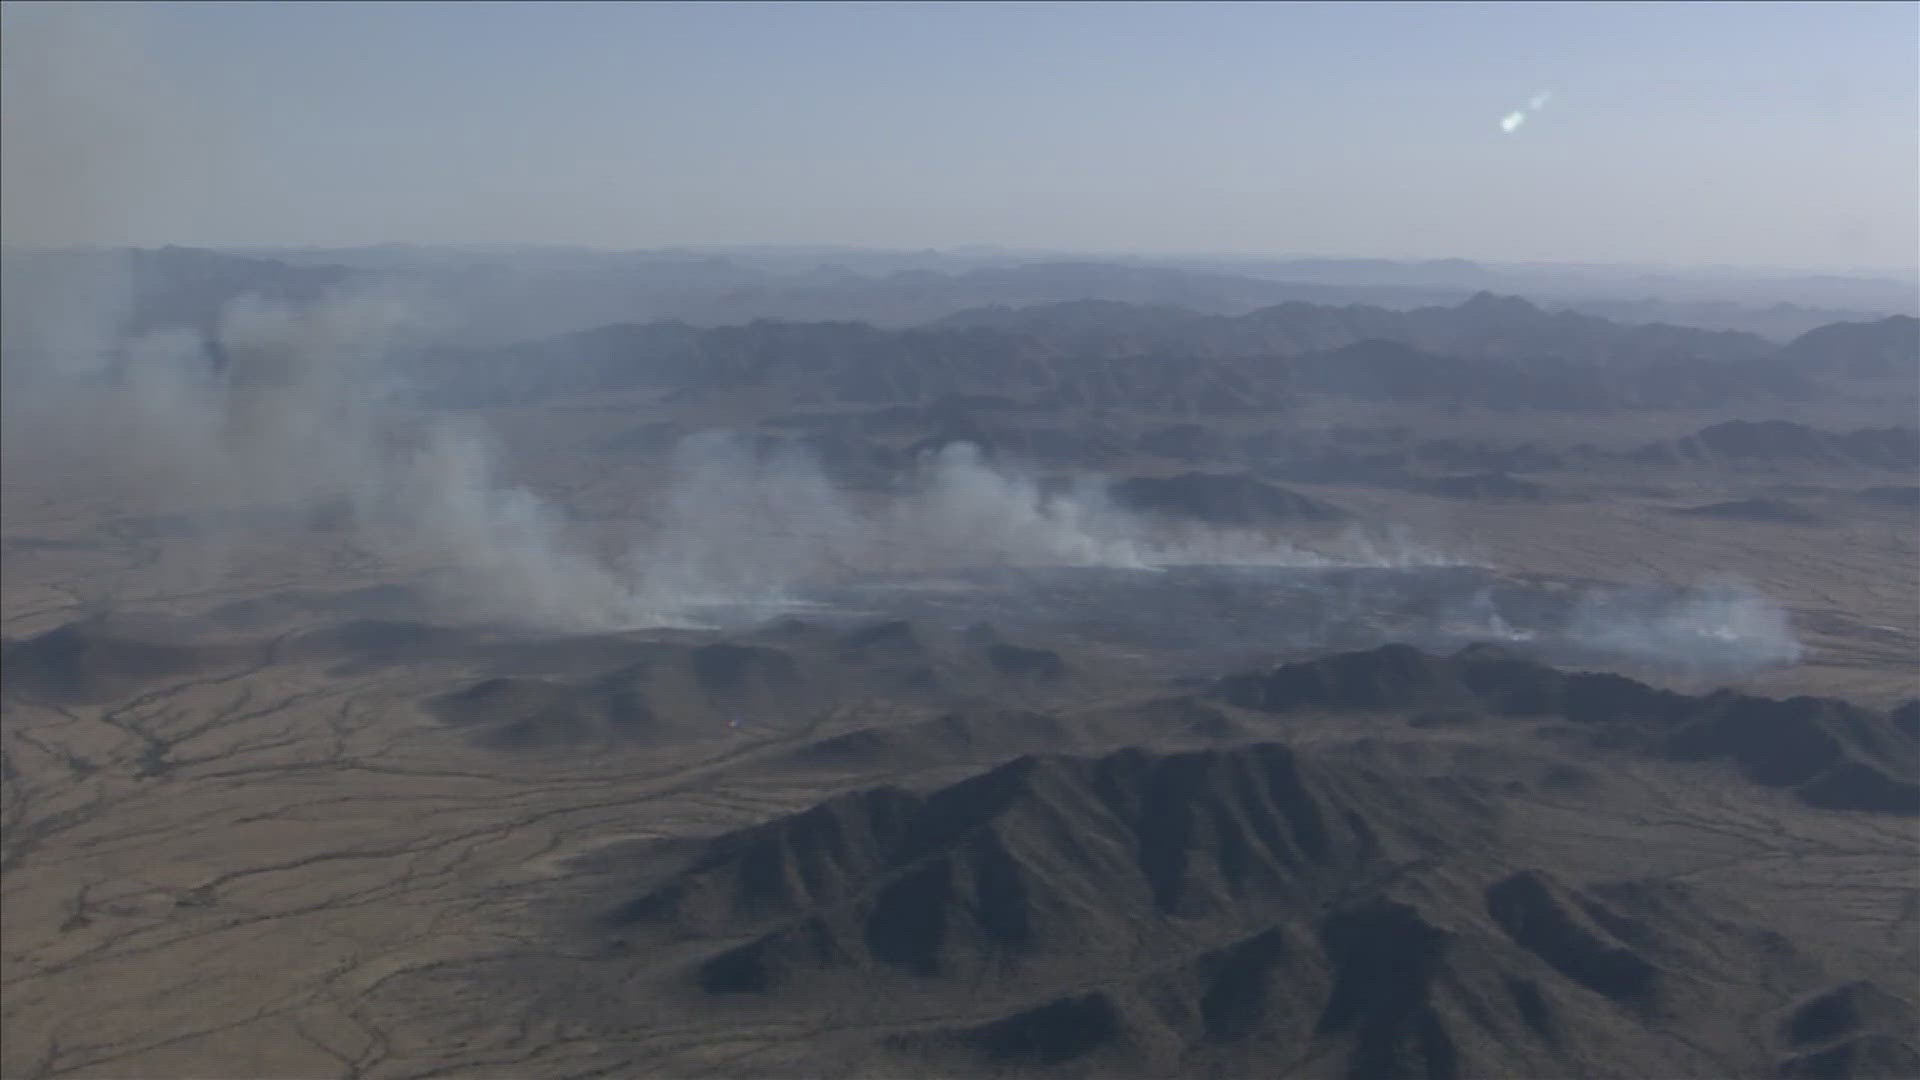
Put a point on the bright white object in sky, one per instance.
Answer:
(1511, 122)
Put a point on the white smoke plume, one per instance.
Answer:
(302, 419)
(275, 412)
(743, 525)
(309, 420)
(1723, 623)
(1720, 624)
(304, 415)
(509, 547)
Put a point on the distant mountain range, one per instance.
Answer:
(501, 295)
(1128, 337)
(1496, 351)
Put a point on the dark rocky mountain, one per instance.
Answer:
(1831, 753)
(660, 693)
(608, 690)
(1221, 911)
(102, 656)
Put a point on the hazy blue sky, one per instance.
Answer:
(1779, 134)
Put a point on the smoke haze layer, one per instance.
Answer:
(742, 523)
(296, 407)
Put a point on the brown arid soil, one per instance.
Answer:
(268, 812)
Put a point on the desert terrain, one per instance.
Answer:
(1067, 686)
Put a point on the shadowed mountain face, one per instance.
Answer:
(957, 891)
(1241, 906)
(1832, 754)
(656, 693)
(102, 657)
(1058, 865)
(1885, 348)
(1550, 924)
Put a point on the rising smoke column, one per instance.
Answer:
(743, 522)
(300, 417)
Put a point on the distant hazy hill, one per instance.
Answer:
(1482, 325)
(136, 290)
(1782, 442)
(1061, 333)
(1887, 347)
(1498, 351)
(487, 295)
(176, 286)
(491, 294)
